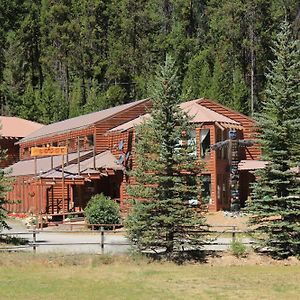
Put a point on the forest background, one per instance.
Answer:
(60, 59)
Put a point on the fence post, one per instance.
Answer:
(34, 240)
(102, 239)
(233, 233)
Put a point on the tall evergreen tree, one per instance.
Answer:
(4, 188)
(167, 172)
(276, 195)
(198, 77)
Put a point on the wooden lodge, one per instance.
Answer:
(100, 146)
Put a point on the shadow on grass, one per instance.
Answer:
(181, 257)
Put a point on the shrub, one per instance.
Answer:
(102, 210)
(238, 249)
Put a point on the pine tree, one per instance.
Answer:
(50, 102)
(76, 99)
(167, 172)
(4, 188)
(276, 195)
(239, 92)
(198, 77)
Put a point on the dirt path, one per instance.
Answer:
(222, 218)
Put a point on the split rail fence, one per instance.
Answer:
(215, 237)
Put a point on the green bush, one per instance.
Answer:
(238, 249)
(102, 210)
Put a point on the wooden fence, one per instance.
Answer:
(215, 239)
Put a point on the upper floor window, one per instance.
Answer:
(204, 142)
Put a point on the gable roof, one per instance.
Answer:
(14, 127)
(80, 122)
(224, 110)
(197, 112)
(200, 114)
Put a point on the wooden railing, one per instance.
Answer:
(34, 243)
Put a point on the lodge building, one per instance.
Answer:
(101, 148)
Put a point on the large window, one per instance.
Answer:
(204, 142)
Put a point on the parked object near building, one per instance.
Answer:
(12, 129)
(101, 147)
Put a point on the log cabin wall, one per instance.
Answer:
(69, 139)
(35, 196)
(24, 195)
(98, 129)
(12, 151)
(248, 124)
(102, 142)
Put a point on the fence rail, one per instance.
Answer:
(35, 243)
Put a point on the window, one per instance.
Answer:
(81, 143)
(26, 152)
(90, 140)
(72, 144)
(204, 142)
(206, 191)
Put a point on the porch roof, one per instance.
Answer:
(248, 165)
(27, 167)
(104, 160)
(57, 173)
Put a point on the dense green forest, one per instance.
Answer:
(62, 58)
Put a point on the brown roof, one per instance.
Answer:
(104, 160)
(201, 114)
(194, 109)
(79, 122)
(17, 127)
(128, 125)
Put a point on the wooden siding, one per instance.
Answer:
(35, 196)
(102, 142)
(70, 139)
(98, 129)
(248, 124)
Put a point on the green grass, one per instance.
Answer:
(25, 276)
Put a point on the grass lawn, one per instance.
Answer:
(25, 276)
